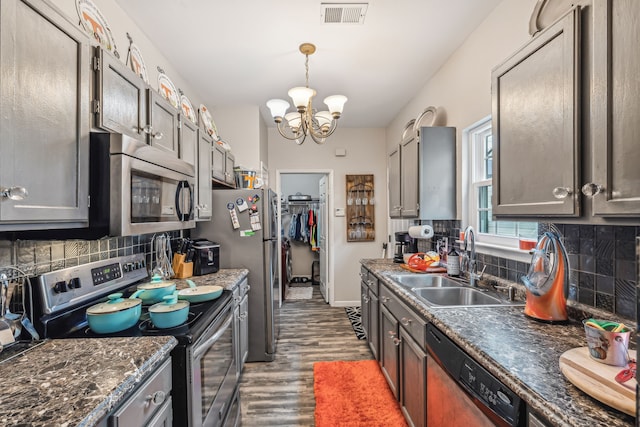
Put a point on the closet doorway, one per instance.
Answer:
(305, 229)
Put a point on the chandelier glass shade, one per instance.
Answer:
(305, 120)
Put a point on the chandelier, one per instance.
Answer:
(306, 121)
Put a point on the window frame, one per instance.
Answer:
(503, 246)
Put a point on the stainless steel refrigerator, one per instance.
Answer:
(251, 243)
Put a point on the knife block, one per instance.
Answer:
(181, 269)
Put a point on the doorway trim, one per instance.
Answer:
(329, 174)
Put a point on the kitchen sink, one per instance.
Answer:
(424, 281)
(459, 296)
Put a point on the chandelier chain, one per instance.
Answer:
(306, 66)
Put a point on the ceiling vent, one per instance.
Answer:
(343, 13)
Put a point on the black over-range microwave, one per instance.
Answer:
(136, 188)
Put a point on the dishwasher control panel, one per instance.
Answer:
(473, 378)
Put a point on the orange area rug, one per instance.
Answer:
(354, 394)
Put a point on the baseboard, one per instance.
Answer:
(346, 303)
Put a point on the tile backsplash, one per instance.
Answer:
(602, 262)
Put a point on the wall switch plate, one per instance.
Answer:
(341, 152)
(339, 211)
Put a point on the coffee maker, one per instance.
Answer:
(405, 244)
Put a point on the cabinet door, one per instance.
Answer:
(389, 350)
(44, 117)
(409, 178)
(244, 330)
(121, 105)
(218, 163)
(163, 123)
(364, 307)
(413, 380)
(536, 123)
(188, 140)
(229, 164)
(373, 334)
(203, 173)
(395, 204)
(615, 107)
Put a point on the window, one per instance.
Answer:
(478, 153)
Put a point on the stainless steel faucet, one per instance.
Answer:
(470, 262)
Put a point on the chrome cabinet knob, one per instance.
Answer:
(14, 193)
(590, 189)
(157, 398)
(562, 192)
(405, 321)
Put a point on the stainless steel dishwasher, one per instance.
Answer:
(460, 392)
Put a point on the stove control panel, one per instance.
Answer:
(68, 287)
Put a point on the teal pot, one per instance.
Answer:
(155, 290)
(115, 315)
(199, 293)
(169, 313)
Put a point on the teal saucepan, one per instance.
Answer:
(117, 314)
(156, 289)
(169, 313)
(196, 293)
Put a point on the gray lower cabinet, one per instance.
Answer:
(203, 174)
(615, 108)
(241, 317)
(403, 355)
(536, 125)
(422, 175)
(369, 310)
(44, 118)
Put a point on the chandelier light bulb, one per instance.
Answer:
(301, 97)
(278, 108)
(335, 104)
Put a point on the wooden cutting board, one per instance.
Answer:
(598, 380)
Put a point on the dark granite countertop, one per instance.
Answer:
(76, 382)
(521, 352)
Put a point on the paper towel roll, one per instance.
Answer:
(421, 232)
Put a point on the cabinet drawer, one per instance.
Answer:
(414, 324)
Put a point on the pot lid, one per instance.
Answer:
(155, 283)
(201, 290)
(115, 304)
(170, 303)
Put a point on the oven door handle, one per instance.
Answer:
(204, 346)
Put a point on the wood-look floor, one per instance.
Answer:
(280, 393)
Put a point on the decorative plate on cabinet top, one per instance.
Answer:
(429, 117)
(137, 63)
(546, 12)
(408, 128)
(168, 90)
(208, 123)
(94, 23)
(187, 109)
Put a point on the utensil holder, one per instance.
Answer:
(181, 269)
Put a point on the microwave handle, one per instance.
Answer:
(184, 185)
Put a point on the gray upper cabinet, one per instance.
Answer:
(120, 105)
(44, 117)
(422, 175)
(536, 125)
(162, 123)
(203, 172)
(229, 164)
(615, 109)
(223, 163)
(188, 140)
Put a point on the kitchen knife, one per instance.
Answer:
(190, 253)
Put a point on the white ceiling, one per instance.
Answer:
(240, 52)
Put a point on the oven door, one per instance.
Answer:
(152, 199)
(213, 371)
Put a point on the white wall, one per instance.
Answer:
(462, 86)
(365, 155)
(241, 127)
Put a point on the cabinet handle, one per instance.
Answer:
(365, 298)
(157, 135)
(361, 275)
(156, 398)
(562, 192)
(392, 334)
(590, 189)
(405, 321)
(384, 299)
(397, 341)
(370, 282)
(14, 193)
